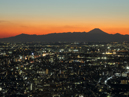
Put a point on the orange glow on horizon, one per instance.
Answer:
(40, 31)
(9, 29)
(14, 32)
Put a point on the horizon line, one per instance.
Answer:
(64, 32)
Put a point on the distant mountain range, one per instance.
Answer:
(95, 35)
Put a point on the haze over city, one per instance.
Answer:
(57, 16)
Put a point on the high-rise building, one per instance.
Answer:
(47, 71)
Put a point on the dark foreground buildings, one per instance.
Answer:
(64, 69)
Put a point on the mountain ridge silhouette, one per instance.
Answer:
(95, 35)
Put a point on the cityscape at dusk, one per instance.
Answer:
(64, 48)
(57, 16)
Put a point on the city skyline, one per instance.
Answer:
(56, 16)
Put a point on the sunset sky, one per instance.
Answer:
(50, 16)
